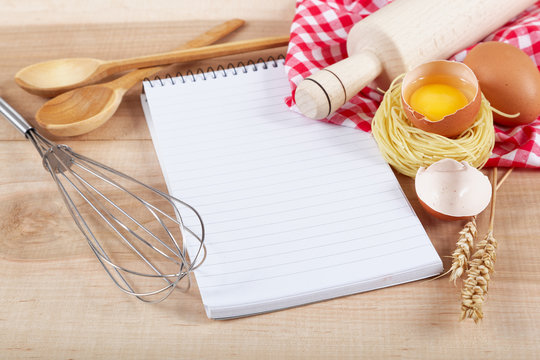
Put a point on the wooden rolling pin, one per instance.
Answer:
(398, 37)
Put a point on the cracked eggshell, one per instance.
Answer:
(451, 125)
(452, 190)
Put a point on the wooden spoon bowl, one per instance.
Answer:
(79, 111)
(51, 77)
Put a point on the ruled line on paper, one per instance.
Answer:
(342, 178)
(233, 174)
(277, 210)
(243, 160)
(275, 86)
(312, 269)
(298, 229)
(280, 173)
(326, 254)
(236, 116)
(260, 126)
(288, 209)
(281, 133)
(352, 230)
(368, 238)
(319, 209)
(260, 148)
(272, 100)
(181, 187)
(356, 238)
(256, 260)
(292, 219)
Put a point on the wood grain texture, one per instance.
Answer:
(57, 303)
(136, 11)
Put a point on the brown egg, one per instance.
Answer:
(509, 80)
(449, 75)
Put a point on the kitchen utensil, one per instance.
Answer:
(136, 231)
(53, 77)
(84, 109)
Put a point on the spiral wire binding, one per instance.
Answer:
(230, 69)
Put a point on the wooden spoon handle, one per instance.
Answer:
(201, 53)
(211, 36)
(214, 34)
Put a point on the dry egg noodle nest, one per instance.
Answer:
(407, 148)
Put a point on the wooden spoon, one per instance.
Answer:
(84, 109)
(53, 77)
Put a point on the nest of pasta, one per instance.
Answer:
(408, 148)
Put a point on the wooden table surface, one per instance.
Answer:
(56, 302)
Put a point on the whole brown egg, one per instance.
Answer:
(509, 80)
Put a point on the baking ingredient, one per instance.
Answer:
(452, 190)
(441, 97)
(509, 80)
(435, 101)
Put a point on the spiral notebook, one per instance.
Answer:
(296, 210)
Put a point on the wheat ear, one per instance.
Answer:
(474, 290)
(464, 246)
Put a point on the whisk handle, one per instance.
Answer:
(14, 117)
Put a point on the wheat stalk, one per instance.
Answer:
(481, 266)
(462, 253)
(474, 291)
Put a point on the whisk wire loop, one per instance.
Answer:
(150, 207)
(85, 229)
(172, 200)
(87, 185)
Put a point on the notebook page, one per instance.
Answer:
(295, 210)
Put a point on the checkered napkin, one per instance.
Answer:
(318, 39)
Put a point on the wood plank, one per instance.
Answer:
(139, 11)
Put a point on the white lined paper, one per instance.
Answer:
(295, 210)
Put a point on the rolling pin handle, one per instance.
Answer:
(324, 92)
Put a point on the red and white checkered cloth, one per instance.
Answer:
(318, 39)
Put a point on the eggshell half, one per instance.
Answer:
(451, 125)
(452, 190)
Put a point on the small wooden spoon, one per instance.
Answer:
(84, 109)
(54, 77)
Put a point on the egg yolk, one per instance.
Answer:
(435, 101)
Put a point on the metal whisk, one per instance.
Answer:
(142, 248)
